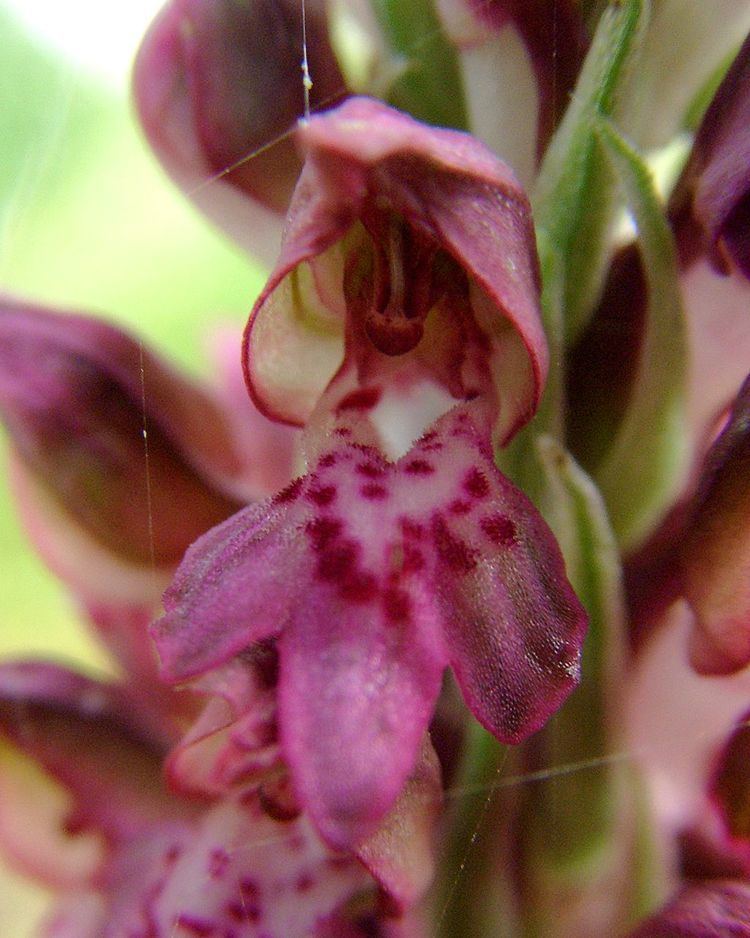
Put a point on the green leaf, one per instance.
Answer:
(574, 201)
(576, 813)
(646, 462)
(427, 80)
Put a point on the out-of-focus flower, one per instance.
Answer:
(715, 562)
(127, 856)
(218, 85)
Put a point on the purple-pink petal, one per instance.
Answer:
(716, 550)
(234, 587)
(715, 187)
(96, 740)
(376, 575)
(218, 88)
(357, 690)
(442, 190)
(72, 398)
(714, 909)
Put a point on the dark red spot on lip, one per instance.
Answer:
(304, 883)
(369, 469)
(322, 496)
(218, 862)
(359, 586)
(412, 559)
(195, 926)
(322, 531)
(330, 459)
(476, 484)
(172, 853)
(336, 562)
(499, 529)
(244, 911)
(277, 800)
(411, 528)
(429, 442)
(419, 467)
(374, 492)
(397, 605)
(459, 507)
(343, 431)
(290, 493)
(362, 399)
(458, 555)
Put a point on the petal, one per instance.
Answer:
(511, 620)
(375, 574)
(235, 739)
(96, 741)
(715, 186)
(234, 587)
(554, 41)
(730, 789)
(77, 396)
(268, 449)
(451, 193)
(218, 87)
(244, 873)
(355, 697)
(95, 738)
(401, 853)
(716, 552)
(702, 910)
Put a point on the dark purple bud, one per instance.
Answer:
(218, 86)
(712, 199)
(136, 456)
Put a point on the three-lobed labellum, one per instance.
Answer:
(375, 575)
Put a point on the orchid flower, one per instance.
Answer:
(353, 559)
(387, 603)
(129, 853)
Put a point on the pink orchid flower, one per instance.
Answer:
(376, 572)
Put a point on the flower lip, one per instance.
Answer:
(449, 192)
(374, 576)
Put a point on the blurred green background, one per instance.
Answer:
(89, 222)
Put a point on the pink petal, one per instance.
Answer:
(96, 740)
(452, 195)
(376, 575)
(235, 739)
(355, 698)
(234, 587)
(716, 552)
(267, 449)
(218, 88)
(715, 186)
(702, 910)
(243, 873)
(401, 853)
(730, 789)
(72, 397)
